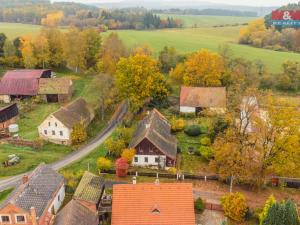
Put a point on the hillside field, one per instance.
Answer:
(184, 40)
(208, 21)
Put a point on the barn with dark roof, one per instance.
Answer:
(154, 143)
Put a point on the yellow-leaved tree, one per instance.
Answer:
(138, 79)
(27, 50)
(128, 154)
(203, 68)
(254, 32)
(52, 19)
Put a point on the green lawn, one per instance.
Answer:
(189, 40)
(208, 21)
(4, 194)
(13, 30)
(30, 158)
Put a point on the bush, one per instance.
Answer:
(199, 205)
(177, 125)
(114, 147)
(128, 154)
(78, 134)
(172, 170)
(104, 164)
(206, 152)
(193, 130)
(234, 206)
(205, 141)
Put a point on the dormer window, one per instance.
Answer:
(5, 219)
(155, 211)
(20, 219)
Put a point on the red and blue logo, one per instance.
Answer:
(289, 18)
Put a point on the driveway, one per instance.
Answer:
(76, 155)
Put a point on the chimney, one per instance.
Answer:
(134, 180)
(25, 179)
(33, 216)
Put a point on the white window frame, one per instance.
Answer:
(25, 221)
(9, 216)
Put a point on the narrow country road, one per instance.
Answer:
(76, 155)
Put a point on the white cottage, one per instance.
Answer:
(58, 126)
(196, 99)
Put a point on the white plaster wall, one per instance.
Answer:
(187, 109)
(5, 98)
(151, 160)
(57, 203)
(55, 125)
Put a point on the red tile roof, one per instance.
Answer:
(153, 204)
(20, 82)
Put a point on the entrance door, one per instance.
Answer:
(52, 98)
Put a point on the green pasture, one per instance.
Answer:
(208, 21)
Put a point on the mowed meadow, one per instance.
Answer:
(187, 39)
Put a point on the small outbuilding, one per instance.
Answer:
(55, 89)
(196, 99)
(8, 115)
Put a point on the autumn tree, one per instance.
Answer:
(202, 68)
(268, 147)
(289, 79)
(75, 50)
(52, 19)
(142, 49)
(138, 79)
(2, 41)
(92, 42)
(9, 49)
(41, 50)
(168, 59)
(55, 39)
(253, 32)
(27, 49)
(78, 134)
(235, 206)
(104, 164)
(114, 146)
(128, 154)
(111, 51)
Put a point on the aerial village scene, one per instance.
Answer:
(149, 112)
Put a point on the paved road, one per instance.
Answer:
(76, 155)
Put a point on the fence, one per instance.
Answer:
(26, 143)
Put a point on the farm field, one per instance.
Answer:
(184, 40)
(208, 21)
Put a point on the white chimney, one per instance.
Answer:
(134, 180)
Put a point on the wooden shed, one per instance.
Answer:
(56, 89)
(8, 115)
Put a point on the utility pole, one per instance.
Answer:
(231, 183)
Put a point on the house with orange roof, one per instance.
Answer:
(196, 99)
(157, 203)
(154, 144)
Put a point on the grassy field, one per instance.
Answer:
(208, 21)
(4, 194)
(186, 40)
(189, 40)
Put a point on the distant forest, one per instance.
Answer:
(213, 12)
(80, 15)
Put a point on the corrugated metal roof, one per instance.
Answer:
(20, 82)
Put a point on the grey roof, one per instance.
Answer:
(75, 112)
(90, 188)
(38, 192)
(75, 213)
(157, 130)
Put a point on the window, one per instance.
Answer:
(156, 159)
(5, 219)
(58, 198)
(146, 159)
(56, 124)
(20, 218)
(136, 159)
(53, 132)
(61, 133)
(49, 124)
(45, 132)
